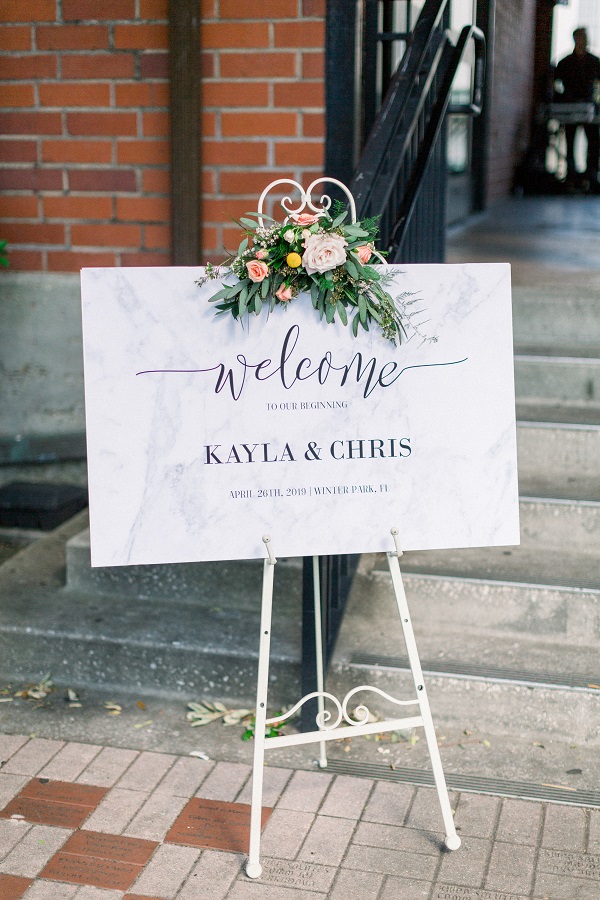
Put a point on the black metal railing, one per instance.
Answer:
(400, 177)
(401, 174)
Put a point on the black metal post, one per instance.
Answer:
(340, 89)
(184, 74)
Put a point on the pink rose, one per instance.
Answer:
(257, 270)
(304, 219)
(262, 254)
(364, 253)
(323, 252)
(284, 293)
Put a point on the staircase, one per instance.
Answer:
(509, 637)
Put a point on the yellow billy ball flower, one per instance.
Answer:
(293, 260)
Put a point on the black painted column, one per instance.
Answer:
(185, 81)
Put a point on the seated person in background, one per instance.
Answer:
(579, 73)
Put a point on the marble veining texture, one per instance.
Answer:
(173, 394)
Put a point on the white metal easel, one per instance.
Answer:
(335, 731)
(352, 728)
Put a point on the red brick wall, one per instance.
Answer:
(511, 93)
(264, 105)
(84, 123)
(84, 130)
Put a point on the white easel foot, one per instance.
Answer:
(253, 870)
(452, 842)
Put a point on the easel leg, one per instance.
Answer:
(319, 655)
(253, 866)
(452, 840)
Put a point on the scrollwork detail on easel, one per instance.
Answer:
(362, 711)
(324, 202)
(323, 718)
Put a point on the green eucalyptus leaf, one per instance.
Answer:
(372, 273)
(342, 312)
(218, 296)
(356, 231)
(351, 269)
(362, 308)
(236, 289)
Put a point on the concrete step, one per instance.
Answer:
(558, 380)
(561, 526)
(210, 585)
(551, 316)
(498, 658)
(167, 640)
(559, 460)
(473, 619)
(558, 567)
(480, 706)
(547, 524)
(500, 652)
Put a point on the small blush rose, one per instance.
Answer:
(323, 252)
(304, 219)
(364, 253)
(257, 270)
(284, 293)
(262, 254)
(289, 235)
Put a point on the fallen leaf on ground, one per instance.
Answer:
(113, 709)
(143, 724)
(72, 699)
(140, 704)
(199, 754)
(41, 690)
(204, 713)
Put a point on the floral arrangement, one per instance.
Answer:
(314, 253)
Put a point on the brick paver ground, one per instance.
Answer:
(335, 837)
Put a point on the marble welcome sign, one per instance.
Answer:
(204, 435)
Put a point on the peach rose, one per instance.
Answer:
(304, 219)
(284, 293)
(364, 253)
(257, 270)
(262, 254)
(323, 252)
